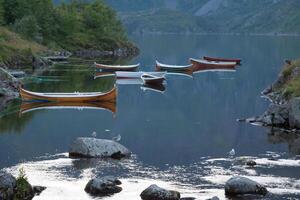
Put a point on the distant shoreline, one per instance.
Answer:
(205, 33)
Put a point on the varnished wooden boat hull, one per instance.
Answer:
(197, 65)
(94, 97)
(32, 106)
(237, 61)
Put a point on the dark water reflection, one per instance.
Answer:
(169, 131)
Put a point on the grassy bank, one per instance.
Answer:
(288, 83)
(16, 50)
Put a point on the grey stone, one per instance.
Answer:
(103, 186)
(276, 115)
(154, 192)
(294, 113)
(238, 185)
(7, 180)
(97, 148)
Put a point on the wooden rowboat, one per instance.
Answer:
(69, 97)
(204, 64)
(116, 67)
(34, 106)
(237, 61)
(160, 66)
(151, 79)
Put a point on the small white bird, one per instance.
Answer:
(117, 138)
(94, 134)
(232, 152)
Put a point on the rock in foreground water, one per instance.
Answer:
(7, 185)
(103, 186)
(12, 188)
(241, 185)
(98, 148)
(154, 192)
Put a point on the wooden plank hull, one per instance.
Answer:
(237, 61)
(116, 67)
(69, 97)
(201, 64)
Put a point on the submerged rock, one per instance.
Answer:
(241, 185)
(98, 148)
(154, 192)
(103, 186)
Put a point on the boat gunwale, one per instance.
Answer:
(99, 65)
(162, 66)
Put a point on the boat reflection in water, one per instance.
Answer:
(34, 106)
(197, 70)
(103, 75)
(156, 88)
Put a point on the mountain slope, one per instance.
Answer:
(222, 16)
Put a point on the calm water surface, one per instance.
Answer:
(180, 137)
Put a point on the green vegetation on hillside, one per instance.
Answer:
(13, 46)
(160, 20)
(290, 81)
(71, 26)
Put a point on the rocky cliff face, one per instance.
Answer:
(284, 111)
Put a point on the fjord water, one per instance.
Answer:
(180, 138)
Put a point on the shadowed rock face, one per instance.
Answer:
(238, 185)
(154, 192)
(98, 148)
(10, 188)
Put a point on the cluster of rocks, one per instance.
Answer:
(99, 148)
(10, 189)
(105, 186)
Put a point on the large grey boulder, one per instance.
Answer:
(241, 185)
(276, 115)
(154, 192)
(294, 113)
(7, 185)
(98, 148)
(103, 186)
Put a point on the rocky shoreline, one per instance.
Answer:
(284, 110)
